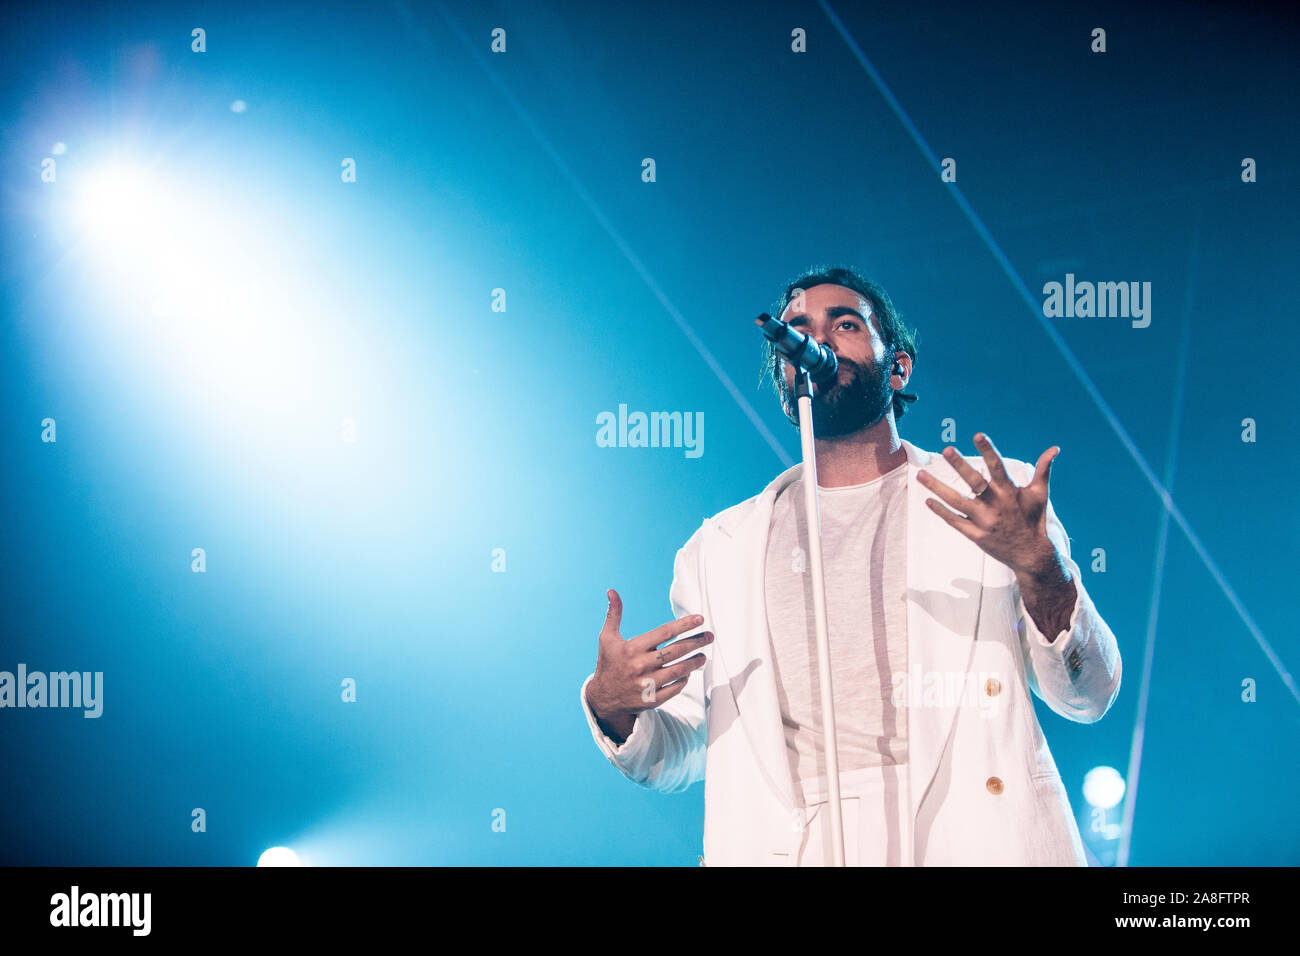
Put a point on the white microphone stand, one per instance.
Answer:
(803, 393)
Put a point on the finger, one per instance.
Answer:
(665, 694)
(613, 616)
(958, 521)
(997, 471)
(667, 675)
(671, 652)
(666, 632)
(1043, 470)
(950, 496)
(964, 468)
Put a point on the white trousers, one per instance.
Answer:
(877, 818)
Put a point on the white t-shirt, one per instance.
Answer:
(864, 544)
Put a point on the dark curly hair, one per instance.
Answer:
(898, 337)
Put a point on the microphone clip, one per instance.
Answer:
(800, 350)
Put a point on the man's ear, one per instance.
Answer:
(905, 361)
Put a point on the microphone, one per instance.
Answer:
(800, 350)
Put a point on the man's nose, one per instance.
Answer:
(817, 335)
(825, 339)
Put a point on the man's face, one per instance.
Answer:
(844, 320)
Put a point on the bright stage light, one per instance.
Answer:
(1103, 787)
(278, 856)
(122, 208)
(142, 231)
(202, 271)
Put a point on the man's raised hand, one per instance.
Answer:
(637, 674)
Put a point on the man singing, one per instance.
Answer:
(951, 594)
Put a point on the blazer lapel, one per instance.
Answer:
(739, 611)
(944, 591)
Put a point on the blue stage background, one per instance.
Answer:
(206, 360)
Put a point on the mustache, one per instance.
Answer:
(860, 372)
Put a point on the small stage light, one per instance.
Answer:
(278, 856)
(1103, 787)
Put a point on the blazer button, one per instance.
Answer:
(994, 785)
(993, 687)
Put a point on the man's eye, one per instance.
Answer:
(850, 323)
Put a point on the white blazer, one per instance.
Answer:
(983, 787)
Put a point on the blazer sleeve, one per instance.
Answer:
(666, 749)
(1078, 674)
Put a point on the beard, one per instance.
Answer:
(850, 407)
